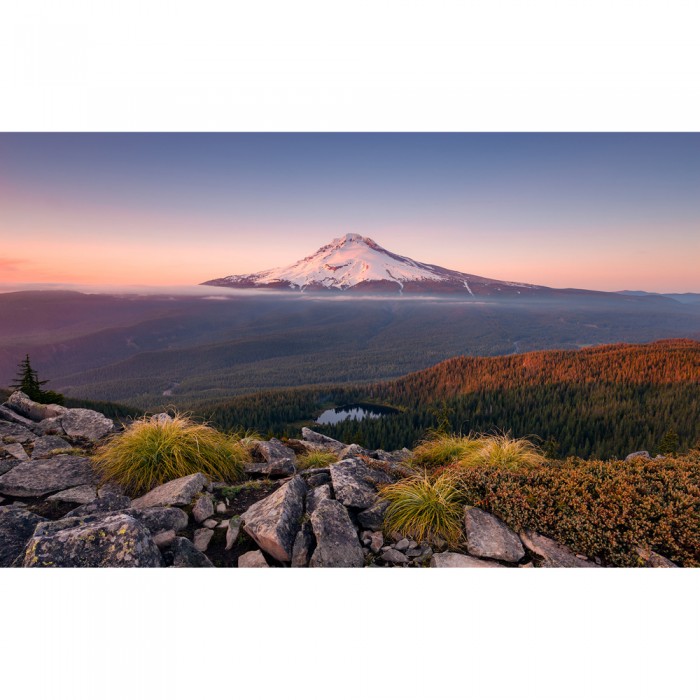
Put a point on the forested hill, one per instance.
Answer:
(597, 402)
(674, 361)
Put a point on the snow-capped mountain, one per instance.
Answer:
(358, 264)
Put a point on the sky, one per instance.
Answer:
(594, 211)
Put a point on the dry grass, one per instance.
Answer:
(314, 459)
(440, 449)
(425, 507)
(150, 453)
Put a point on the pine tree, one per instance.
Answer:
(27, 381)
(669, 444)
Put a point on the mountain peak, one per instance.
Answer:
(356, 263)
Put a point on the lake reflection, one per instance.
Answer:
(354, 412)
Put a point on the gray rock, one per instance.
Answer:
(16, 527)
(317, 477)
(117, 540)
(252, 560)
(7, 415)
(376, 542)
(44, 446)
(642, 454)
(220, 508)
(318, 439)
(7, 464)
(355, 484)
(159, 519)
(552, 554)
(315, 496)
(14, 432)
(202, 538)
(274, 521)
(50, 426)
(178, 492)
(453, 560)
(273, 450)
(336, 540)
(280, 467)
(78, 494)
(488, 537)
(203, 508)
(403, 544)
(186, 556)
(161, 418)
(210, 523)
(393, 556)
(304, 544)
(352, 451)
(40, 477)
(373, 518)
(164, 539)
(84, 423)
(20, 403)
(106, 504)
(653, 560)
(233, 530)
(14, 449)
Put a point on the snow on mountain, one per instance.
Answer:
(356, 263)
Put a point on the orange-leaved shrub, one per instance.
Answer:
(601, 509)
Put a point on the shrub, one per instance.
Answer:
(425, 507)
(316, 458)
(149, 453)
(600, 509)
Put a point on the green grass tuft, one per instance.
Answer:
(149, 453)
(440, 449)
(425, 507)
(314, 459)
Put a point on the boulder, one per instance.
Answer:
(50, 426)
(642, 454)
(106, 504)
(280, 467)
(13, 432)
(84, 423)
(45, 445)
(203, 508)
(116, 540)
(78, 494)
(252, 560)
(352, 451)
(453, 560)
(273, 450)
(337, 544)
(232, 531)
(9, 416)
(158, 519)
(315, 496)
(185, 555)
(552, 554)
(20, 403)
(355, 484)
(304, 544)
(273, 522)
(15, 450)
(202, 538)
(317, 439)
(16, 527)
(317, 477)
(488, 537)
(178, 492)
(373, 518)
(41, 477)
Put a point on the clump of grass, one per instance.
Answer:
(150, 453)
(252, 485)
(314, 459)
(440, 449)
(425, 507)
(504, 452)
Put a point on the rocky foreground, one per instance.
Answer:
(55, 512)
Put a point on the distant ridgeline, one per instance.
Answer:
(597, 402)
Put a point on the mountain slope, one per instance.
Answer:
(358, 264)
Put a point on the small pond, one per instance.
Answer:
(358, 411)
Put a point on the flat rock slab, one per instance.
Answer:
(274, 521)
(45, 445)
(16, 432)
(16, 528)
(178, 492)
(114, 541)
(20, 403)
(186, 556)
(110, 503)
(355, 483)
(10, 416)
(488, 537)
(317, 439)
(315, 496)
(159, 519)
(78, 494)
(280, 467)
(337, 544)
(274, 450)
(15, 450)
(453, 560)
(373, 518)
(552, 554)
(34, 478)
(84, 423)
(252, 560)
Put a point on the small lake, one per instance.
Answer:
(358, 411)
